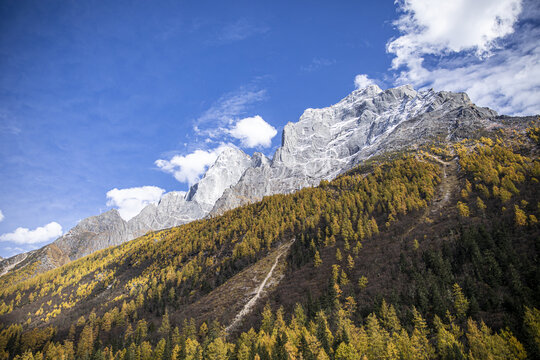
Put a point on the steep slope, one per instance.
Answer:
(109, 229)
(92, 234)
(226, 171)
(439, 242)
(322, 144)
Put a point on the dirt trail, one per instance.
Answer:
(251, 303)
(449, 181)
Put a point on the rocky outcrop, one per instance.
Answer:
(321, 145)
(326, 142)
(174, 208)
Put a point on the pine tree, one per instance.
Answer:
(362, 282)
(267, 324)
(86, 343)
(520, 216)
(176, 353)
(461, 304)
(165, 327)
(531, 321)
(317, 261)
(463, 209)
(350, 262)
(339, 257)
(217, 350)
(324, 335)
(345, 352)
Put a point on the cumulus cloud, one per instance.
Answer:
(131, 201)
(253, 132)
(440, 26)
(480, 47)
(21, 235)
(362, 81)
(188, 168)
(1, 216)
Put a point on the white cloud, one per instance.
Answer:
(508, 82)
(188, 168)
(228, 107)
(2, 217)
(440, 26)
(362, 81)
(131, 201)
(240, 30)
(253, 132)
(479, 47)
(317, 64)
(21, 235)
(220, 125)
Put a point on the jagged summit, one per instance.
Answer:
(321, 145)
(226, 171)
(326, 142)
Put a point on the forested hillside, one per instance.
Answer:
(431, 253)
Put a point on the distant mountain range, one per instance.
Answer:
(424, 245)
(321, 145)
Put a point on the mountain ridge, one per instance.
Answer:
(321, 145)
(406, 245)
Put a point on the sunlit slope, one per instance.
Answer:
(420, 230)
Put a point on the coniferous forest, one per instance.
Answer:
(425, 254)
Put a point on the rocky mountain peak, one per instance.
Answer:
(259, 159)
(226, 171)
(98, 223)
(322, 144)
(327, 141)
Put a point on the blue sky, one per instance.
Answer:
(93, 93)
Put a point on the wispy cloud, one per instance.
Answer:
(10, 129)
(222, 113)
(8, 124)
(2, 217)
(317, 64)
(15, 250)
(240, 30)
(480, 47)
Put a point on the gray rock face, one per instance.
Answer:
(172, 210)
(92, 234)
(321, 145)
(226, 171)
(11, 262)
(175, 208)
(326, 142)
